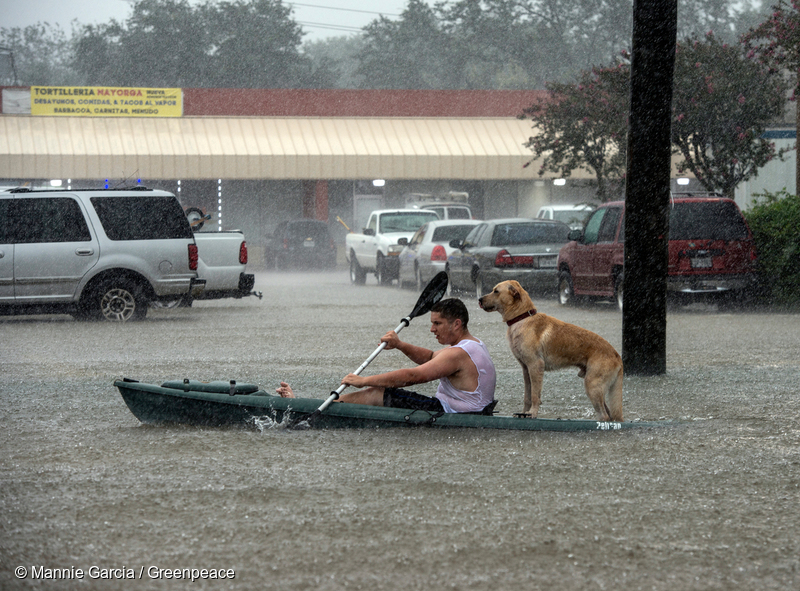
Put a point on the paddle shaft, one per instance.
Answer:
(335, 394)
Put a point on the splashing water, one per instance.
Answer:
(269, 422)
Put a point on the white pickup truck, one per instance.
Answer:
(377, 249)
(222, 257)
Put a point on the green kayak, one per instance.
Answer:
(228, 403)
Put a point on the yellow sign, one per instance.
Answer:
(106, 101)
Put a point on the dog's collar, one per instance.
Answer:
(522, 316)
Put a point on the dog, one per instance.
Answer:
(542, 343)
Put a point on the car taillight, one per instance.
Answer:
(438, 253)
(193, 257)
(243, 253)
(506, 259)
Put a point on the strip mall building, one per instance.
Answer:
(253, 158)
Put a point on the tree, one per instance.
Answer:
(722, 103)
(255, 44)
(584, 125)
(776, 43)
(408, 53)
(172, 43)
(41, 55)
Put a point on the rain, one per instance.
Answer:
(706, 500)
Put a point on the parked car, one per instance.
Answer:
(429, 248)
(301, 244)
(515, 248)
(104, 254)
(377, 248)
(448, 211)
(574, 216)
(711, 252)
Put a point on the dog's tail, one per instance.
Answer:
(614, 399)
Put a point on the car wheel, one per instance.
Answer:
(618, 284)
(380, 272)
(566, 294)
(357, 275)
(116, 300)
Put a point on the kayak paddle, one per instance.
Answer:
(432, 293)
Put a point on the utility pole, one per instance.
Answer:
(644, 316)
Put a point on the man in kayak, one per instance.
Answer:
(464, 369)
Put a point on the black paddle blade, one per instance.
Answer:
(432, 293)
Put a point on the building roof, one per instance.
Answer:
(285, 134)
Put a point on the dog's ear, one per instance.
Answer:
(512, 289)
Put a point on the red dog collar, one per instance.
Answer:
(522, 316)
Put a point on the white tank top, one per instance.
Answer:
(455, 400)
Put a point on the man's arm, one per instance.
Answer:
(445, 363)
(418, 355)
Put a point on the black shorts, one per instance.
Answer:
(399, 398)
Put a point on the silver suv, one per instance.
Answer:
(96, 254)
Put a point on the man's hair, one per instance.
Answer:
(452, 309)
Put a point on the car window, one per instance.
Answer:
(48, 219)
(439, 211)
(592, 229)
(5, 235)
(444, 234)
(571, 216)
(608, 227)
(706, 220)
(458, 213)
(416, 239)
(302, 230)
(405, 221)
(529, 233)
(474, 237)
(142, 218)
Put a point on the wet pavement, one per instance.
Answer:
(709, 502)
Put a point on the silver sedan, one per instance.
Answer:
(515, 248)
(429, 248)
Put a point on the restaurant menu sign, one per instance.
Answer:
(106, 101)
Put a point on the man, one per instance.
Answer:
(464, 369)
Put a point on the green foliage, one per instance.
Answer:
(722, 104)
(584, 125)
(172, 43)
(775, 222)
(42, 55)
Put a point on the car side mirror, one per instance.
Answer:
(369, 232)
(576, 235)
(403, 242)
(455, 243)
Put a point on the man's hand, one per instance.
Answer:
(354, 380)
(391, 339)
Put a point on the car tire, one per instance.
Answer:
(357, 275)
(618, 290)
(566, 293)
(115, 300)
(380, 272)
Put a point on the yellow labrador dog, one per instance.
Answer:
(541, 343)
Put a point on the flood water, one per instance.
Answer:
(708, 502)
